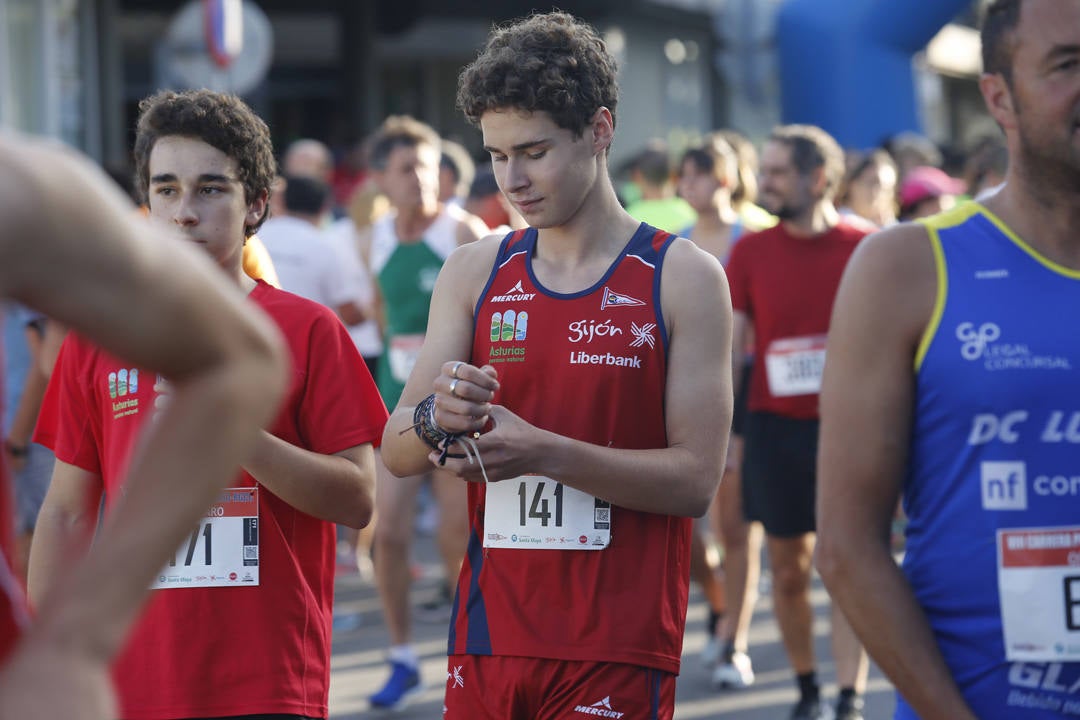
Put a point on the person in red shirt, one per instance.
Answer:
(783, 281)
(598, 347)
(239, 623)
(71, 248)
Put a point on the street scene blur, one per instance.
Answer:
(696, 202)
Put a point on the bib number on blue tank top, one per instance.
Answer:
(533, 512)
(223, 551)
(793, 366)
(1039, 588)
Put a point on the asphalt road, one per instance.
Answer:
(359, 669)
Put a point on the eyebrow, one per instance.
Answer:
(520, 146)
(204, 178)
(1059, 51)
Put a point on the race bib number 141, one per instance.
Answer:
(533, 512)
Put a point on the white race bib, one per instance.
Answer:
(536, 513)
(1039, 587)
(793, 366)
(223, 550)
(404, 350)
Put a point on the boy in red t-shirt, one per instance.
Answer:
(240, 619)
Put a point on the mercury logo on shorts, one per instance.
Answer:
(600, 708)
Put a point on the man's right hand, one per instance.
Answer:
(463, 396)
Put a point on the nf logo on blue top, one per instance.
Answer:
(1004, 486)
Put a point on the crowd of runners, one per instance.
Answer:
(594, 384)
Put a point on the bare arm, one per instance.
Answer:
(157, 302)
(65, 527)
(883, 305)
(26, 412)
(680, 479)
(339, 487)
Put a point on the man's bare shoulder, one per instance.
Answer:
(693, 267)
(467, 268)
(893, 275)
(897, 256)
(692, 282)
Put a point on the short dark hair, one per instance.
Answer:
(550, 62)
(998, 37)
(305, 195)
(220, 120)
(456, 158)
(813, 148)
(654, 163)
(483, 185)
(399, 131)
(716, 157)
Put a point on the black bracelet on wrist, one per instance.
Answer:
(429, 431)
(18, 451)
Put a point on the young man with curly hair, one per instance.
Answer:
(584, 363)
(239, 623)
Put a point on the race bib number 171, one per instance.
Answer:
(223, 550)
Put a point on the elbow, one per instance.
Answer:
(359, 513)
(833, 554)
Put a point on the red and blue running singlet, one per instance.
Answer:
(551, 572)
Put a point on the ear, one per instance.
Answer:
(603, 130)
(999, 99)
(256, 208)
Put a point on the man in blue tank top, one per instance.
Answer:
(951, 380)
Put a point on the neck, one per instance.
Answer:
(820, 218)
(599, 229)
(412, 222)
(718, 217)
(1045, 215)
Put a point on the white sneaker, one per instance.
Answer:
(738, 672)
(710, 654)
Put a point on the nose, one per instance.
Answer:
(185, 214)
(517, 178)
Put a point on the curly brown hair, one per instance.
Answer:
(551, 62)
(218, 119)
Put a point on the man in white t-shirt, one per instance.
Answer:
(307, 262)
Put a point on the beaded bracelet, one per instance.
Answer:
(438, 438)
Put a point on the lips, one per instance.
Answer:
(527, 206)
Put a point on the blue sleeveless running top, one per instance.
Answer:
(993, 486)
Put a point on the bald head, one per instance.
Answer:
(308, 158)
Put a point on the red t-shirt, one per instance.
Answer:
(214, 651)
(590, 366)
(786, 285)
(13, 611)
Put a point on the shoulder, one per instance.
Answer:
(289, 311)
(693, 277)
(893, 274)
(474, 258)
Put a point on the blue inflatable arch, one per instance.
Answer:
(845, 65)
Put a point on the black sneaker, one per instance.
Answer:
(439, 608)
(849, 708)
(811, 709)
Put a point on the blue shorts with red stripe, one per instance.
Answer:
(489, 687)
